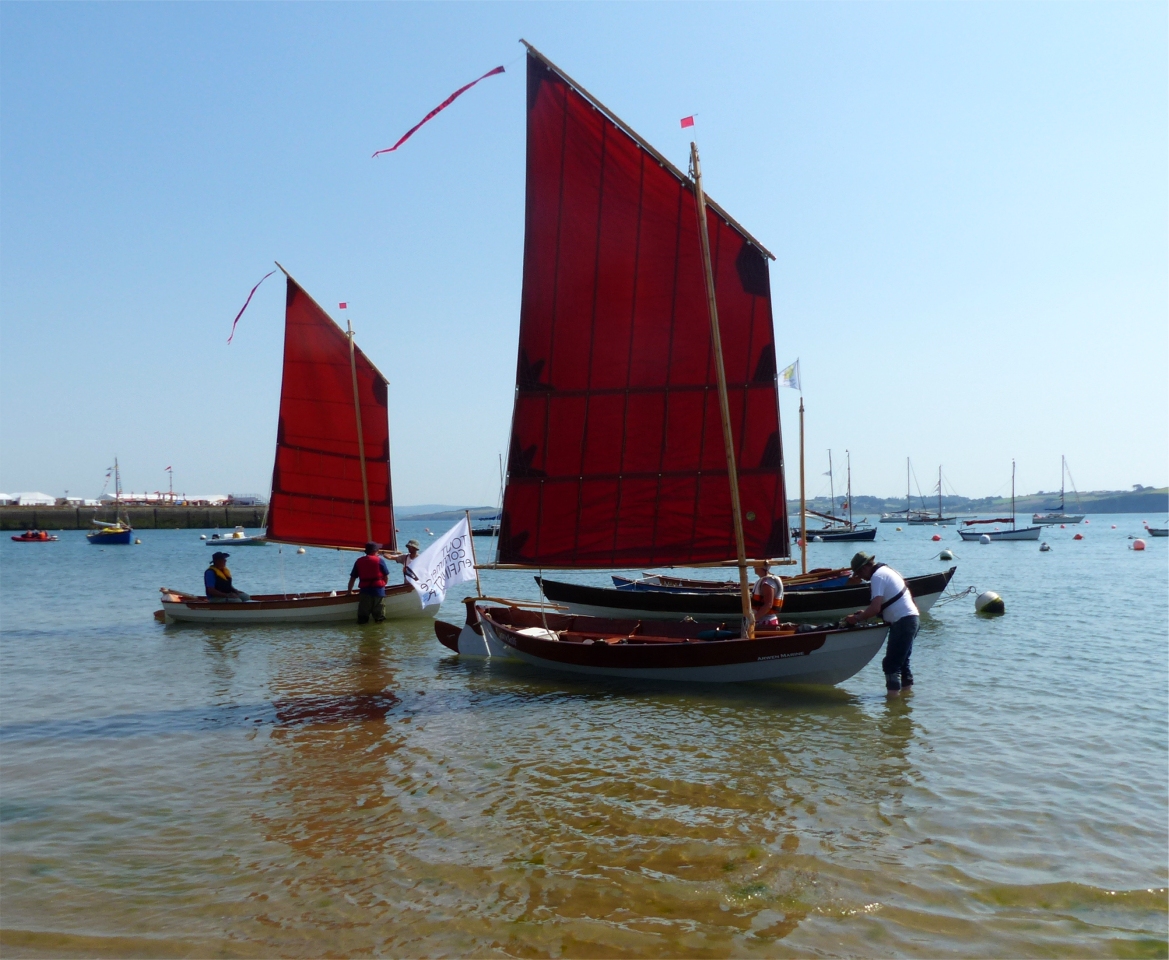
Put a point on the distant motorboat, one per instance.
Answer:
(35, 536)
(239, 537)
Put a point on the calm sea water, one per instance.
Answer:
(358, 791)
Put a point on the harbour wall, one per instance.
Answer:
(141, 518)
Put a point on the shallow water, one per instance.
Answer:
(358, 791)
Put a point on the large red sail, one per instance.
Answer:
(317, 496)
(616, 452)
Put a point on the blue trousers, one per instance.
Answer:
(898, 651)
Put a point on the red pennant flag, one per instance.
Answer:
(442, 106)
(343, 306)
(246, 302)
(687, 122)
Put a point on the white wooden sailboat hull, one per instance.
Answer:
(1022, 533)
(402, 603)
(1051, 519)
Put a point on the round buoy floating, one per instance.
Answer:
(946, 555)
(202, 536)
(1138, 544)
(817, 539)
(1114, 526)
(1063, 526)
(1087, 521)
(935, 538)
(137, 541)
(1044, 547)
(300, 549)
(984, 539)
(898, 529)
(1078, 536)
(989, 604)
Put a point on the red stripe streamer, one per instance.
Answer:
(442, 106)
(245, 306)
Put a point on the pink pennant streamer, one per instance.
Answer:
(442, 106)
(246, 302)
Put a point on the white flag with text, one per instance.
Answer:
(446, 561)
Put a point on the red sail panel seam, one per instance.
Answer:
(584, 434)
(629, 349)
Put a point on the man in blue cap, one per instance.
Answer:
(371, 572)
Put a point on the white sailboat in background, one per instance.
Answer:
(967, 531)
(1061, 516)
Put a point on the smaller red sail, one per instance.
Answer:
(317, 492)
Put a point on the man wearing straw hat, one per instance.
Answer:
(893, 601)
(405, 559)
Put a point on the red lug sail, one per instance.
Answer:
(317, 496)
(616, 451)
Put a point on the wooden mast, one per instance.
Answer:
(803, 501)
(360, 434)
(724, 404)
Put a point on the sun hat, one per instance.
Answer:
(413, 543)
(219, 553)
(860, 560)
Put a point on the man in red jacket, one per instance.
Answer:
(371, 572)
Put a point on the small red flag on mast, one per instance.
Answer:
(343, 306)
(688, 121)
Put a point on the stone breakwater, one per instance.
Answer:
(141, 518)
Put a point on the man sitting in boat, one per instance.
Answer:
(893, 601)
(766, 597)
(217, 581)
(371, 572)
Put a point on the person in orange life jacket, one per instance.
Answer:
(372, 572)
(405, 559)
(766, 597)
(894, 603)
(217, 581)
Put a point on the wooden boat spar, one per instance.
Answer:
(967, 531)
(645, 430)
(331, 476)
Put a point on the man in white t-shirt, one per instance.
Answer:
(894, 603)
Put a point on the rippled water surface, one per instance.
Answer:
(348, 790)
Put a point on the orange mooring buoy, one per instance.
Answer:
(1078, 536)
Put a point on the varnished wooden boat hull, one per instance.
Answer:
(673, 651)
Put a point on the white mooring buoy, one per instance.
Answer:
(202, 536)
(946, 555)
(817, 539)
(989, 603)
(300, 549)
(1044, 547)
(984, 539)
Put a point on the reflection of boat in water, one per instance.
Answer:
(118, 533)
(1054, 516)
(645, 429)
(811, 605)
(237, 538)
(966, 531)
(36, 536)
(326, 491)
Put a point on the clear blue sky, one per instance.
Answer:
(967, 201)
